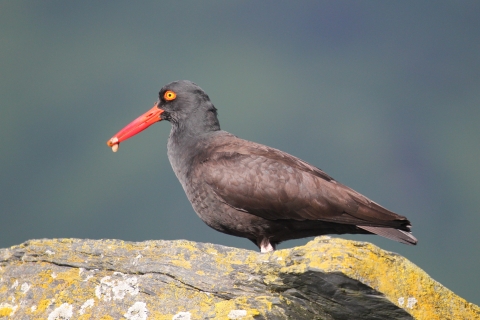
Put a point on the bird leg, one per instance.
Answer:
(265, 245)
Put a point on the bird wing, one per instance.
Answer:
(275, 185)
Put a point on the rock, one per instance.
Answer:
(113, 279)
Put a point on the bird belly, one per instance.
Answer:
(222, 217)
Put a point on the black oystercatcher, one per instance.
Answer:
(249, 190)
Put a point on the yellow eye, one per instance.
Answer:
(169, 95)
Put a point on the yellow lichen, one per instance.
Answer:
(182, 263)
(45, 278)
(223, 308)
(401, 281)
(392, 275)
(265, 301)
(43, 305)
(158, 316)
(212, 251)
(69, 276)
(187, 245)
(5, 311)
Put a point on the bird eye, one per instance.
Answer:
(169, 95)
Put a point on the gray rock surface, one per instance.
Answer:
(113, 279)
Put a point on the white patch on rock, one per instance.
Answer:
(25, 287)
(50, 252)
(88, 304)
(137, 258)
(116, 288)
(88, 273)
(15, 284)
(137, 312)
(53, 275)
(33, 308)
(182, 316)
(401, 301)
(411, 302)
(64, 312)
(237, 314)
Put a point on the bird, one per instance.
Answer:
(250, 190)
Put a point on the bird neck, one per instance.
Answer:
(189, 134)
(200, 121)
(188, 139)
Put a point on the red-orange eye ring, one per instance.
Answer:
(169, 95)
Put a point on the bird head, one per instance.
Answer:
(176, 102)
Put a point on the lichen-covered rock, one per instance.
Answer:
(112, 279)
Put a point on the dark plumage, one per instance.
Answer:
(253, 191)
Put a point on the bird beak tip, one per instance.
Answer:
(136, 126)
(113, 143)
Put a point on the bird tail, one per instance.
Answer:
(393, 234)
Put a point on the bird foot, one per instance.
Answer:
(266, 246)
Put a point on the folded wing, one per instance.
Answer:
(275, 185)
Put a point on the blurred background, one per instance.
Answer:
(382, 95)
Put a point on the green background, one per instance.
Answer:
(382, 95)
